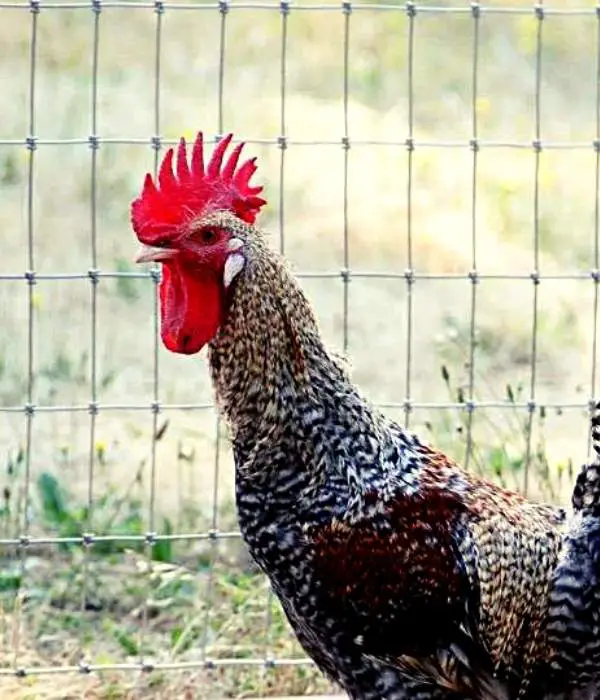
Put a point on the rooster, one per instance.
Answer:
(402, 575)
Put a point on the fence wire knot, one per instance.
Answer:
(155, 274)
(87, 539)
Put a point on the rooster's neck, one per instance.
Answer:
(268, 360)
(286, 398)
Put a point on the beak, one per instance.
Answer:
(149, 254)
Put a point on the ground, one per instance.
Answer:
(101, 474)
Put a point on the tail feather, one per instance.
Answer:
(586, 493)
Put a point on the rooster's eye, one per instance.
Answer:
(208, 235)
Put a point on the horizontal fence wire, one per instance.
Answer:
(476, 9)
(26, 540)
(149, 667)
(157, 142)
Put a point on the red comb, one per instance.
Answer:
(193, 189)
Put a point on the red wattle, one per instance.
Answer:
(190, 308)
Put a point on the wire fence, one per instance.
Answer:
(26, 540)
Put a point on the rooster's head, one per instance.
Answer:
(187, 222)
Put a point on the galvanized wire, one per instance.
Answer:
(149, 542)
(347, 10)
(406, 144)
(475, 276)
(539, 14)
(30, 281)
(593, 378)
(210, 582)
(526, 10)
(408, 405)
(409, 275)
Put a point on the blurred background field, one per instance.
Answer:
(221, 72)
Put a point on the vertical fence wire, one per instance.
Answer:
(30, 277)
(224, 10)
(535, 275)
(596, 249)
(150, 536)
(213, 533)
(474, 274)
(410, 148)
(282, 140)
(94, 279)
(284, 9)
(347, 12)
(213, 538)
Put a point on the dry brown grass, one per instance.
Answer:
(313, 235)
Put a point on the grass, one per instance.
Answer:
(201, 596)
(163, 614)
(117, 602)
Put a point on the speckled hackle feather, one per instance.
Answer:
(402, 575)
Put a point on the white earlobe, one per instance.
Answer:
(234, 244)
(233, 266)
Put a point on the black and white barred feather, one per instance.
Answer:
(574, 612)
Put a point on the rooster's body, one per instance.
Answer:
(402, 575)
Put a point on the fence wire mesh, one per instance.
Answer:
(428, 196)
